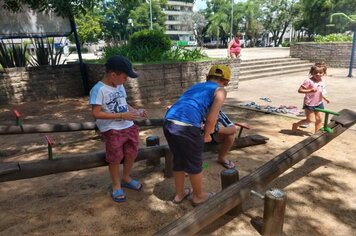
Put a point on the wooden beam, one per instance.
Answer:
(234, 195)
(37, 168)
(64, 127)
(7, 168)
(91, 160)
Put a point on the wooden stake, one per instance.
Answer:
(229, 177)
(152, 141)
(273, 215)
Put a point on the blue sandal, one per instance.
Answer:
(118, 195)
(228, 164)
(133, 185)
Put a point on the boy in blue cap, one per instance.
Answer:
(114, 118)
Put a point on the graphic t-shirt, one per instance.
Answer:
(111, 100)
(314, 98)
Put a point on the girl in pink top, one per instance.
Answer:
(314, 90)
(234, 47)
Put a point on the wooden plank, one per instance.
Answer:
(97, 159)
(64, 127)
(37, 168)
(224, 201)
(7, 168)
(347, 119)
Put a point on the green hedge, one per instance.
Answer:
(333, 38)
(152, 46)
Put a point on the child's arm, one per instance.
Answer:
(97, 113)
(305, 90)
(327, 100)
(212, 116)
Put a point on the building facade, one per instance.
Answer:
(176, 27)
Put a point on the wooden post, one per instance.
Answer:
(273, 214)
(152, 141)
(168, 164)
(229, 177)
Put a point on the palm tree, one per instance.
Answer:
(219, 24)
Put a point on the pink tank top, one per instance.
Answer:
(235, 46)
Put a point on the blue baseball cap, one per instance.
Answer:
(120, 64)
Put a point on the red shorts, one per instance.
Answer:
(121, 143)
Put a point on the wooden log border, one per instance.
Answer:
(64, 127)
(30, 169)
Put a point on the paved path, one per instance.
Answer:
(283, 89)
(250, 53)
(246, 53)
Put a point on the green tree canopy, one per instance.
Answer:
(89, 27)
(65, 8)
(141, 16)
(315, 15)
(277, 16)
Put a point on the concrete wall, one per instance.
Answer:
(333, 54)
(157, 82)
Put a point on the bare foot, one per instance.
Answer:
(201, 201)
(295, 127)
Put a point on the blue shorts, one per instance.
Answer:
(187, 145)
(312, 108)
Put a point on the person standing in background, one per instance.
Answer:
(234, 48)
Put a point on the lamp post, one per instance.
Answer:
(352, 19)
(232, 18)
(130, 24)
(151, 26)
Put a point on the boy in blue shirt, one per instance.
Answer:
(183, 130)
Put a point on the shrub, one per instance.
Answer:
(333, 38)
(12, 55)
(152, 39)
(185, 54)
(152, 46)
(110, 51)
(285, 44)
(46, 54)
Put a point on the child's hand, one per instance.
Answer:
(207, 138)
(327, 100)
(131, 115)
(313, 90)
(143, 113)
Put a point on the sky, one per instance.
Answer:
(199, 5)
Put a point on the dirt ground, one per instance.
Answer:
(321, 189)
